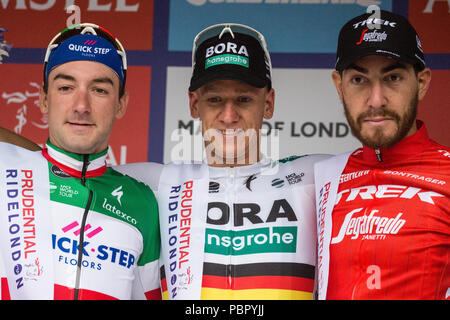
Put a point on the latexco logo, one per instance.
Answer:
(259, 240)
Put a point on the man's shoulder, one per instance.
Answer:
(145, 172)
(306, 161)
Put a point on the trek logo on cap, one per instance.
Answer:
(223, 55)
(376, 21)
(373, 36)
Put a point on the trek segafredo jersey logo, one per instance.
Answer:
(371, 227)
(226, 53)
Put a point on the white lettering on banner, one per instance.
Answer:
(371, 227)
(430, 5)
(121, 5)
(387, 191)
(75, 18)
(111, 159)
(363, 3)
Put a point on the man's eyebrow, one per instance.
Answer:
(393, 66)
(397, 65)
(63, 76)
(358, 68)
(103, 80)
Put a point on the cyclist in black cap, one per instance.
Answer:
(384, 209)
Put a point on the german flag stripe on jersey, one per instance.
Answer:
(255, 281)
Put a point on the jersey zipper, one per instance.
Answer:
(378, 154)
(83, 224)
(231, 200)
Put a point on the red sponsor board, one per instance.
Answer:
(434, 108)
(431, 19)
(19, 106)
(32, 23)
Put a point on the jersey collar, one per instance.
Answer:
(241, 171)
(409, 146)
(72, 163)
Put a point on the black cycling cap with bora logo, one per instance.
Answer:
(230, 52)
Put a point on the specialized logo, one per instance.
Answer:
(118, 193)
(373, 36)
(370, 227)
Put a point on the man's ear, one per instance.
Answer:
(269, 104)
(43, 101)
(123, 104)
(337, 80)
(193, 104)
(424, 79)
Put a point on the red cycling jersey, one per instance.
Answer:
(391, 223)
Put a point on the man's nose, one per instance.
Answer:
(229, 113)
(377, 95)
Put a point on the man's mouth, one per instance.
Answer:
(231, 132)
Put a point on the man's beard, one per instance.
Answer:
(379, 139)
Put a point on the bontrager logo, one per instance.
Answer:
(370, 227)
(118, 193)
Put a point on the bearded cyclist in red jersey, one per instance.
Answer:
(383, 210)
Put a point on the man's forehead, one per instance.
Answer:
(227, 85)
(84, 70)
(379, 63)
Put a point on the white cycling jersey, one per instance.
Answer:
(260, 229)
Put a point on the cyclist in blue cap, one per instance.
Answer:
(79, 230)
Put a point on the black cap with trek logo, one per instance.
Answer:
(379, 33)
(230, 52)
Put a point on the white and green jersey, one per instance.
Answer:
(105, 231)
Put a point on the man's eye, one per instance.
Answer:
(244, 99)
(64, 88)
(357, 80)
(394, 78)
(101, 91)
(213, 99)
